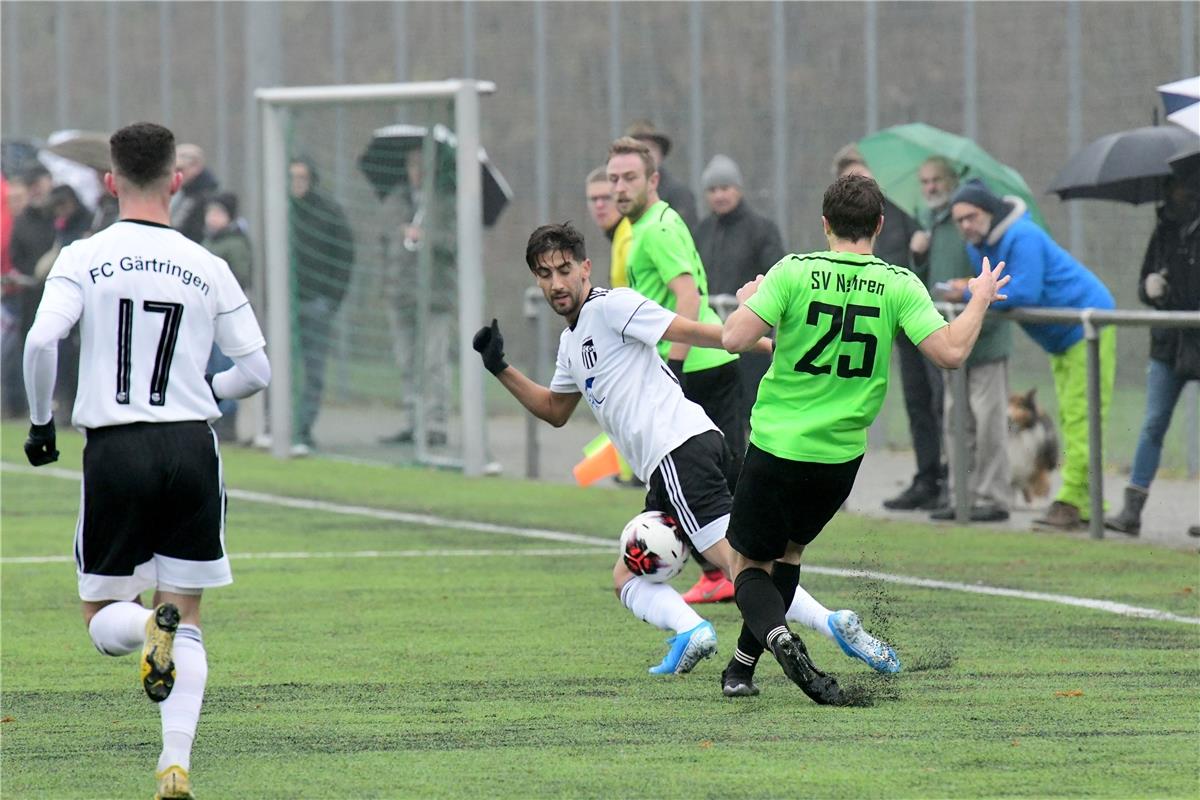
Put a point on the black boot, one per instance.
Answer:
(1130, 519)
(919, 495)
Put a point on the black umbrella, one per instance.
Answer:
(1128, 166)
(383, 165)
(1186, 163)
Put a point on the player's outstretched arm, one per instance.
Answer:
(544, 404)
(745, 330)
(687, 305)
(702, 334)
(949, 347)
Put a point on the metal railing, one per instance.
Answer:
(1092, 319)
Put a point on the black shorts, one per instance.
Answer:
(692, 485)
(152, 510)
(779, 500)
(718, 390)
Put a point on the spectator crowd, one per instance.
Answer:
(661, 247)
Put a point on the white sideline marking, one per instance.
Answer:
(996, 591)
(538, 552)
(430, 520)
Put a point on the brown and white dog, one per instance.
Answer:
(1032, 446)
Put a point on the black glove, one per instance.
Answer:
(208, 379)
(39, 446)
(489, 343)
(676, 367)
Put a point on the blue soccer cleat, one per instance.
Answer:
(855, 642)
(687, 650)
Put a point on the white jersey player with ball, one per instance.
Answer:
(150, 304)
(607, 355)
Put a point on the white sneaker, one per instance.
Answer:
(855, 642)
(300, 449)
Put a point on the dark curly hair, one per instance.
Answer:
(853, 205)
(555, 238)
(143, 153)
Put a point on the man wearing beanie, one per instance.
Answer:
(941, 252)
(736, 244)
(1044, 274)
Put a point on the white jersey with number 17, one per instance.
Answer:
(150, 303)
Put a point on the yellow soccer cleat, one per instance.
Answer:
(174, 784)
(158, 670)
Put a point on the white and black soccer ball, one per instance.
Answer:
(653, 546)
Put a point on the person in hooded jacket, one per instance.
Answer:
(1170, 281)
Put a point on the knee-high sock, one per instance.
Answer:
(805, 609)
(659, 604)
(181, 711)
(786, 578)
(119, 628)
(761, 605)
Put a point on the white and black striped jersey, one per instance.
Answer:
(150, 304)
(609, 355)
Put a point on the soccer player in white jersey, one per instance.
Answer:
(149, 303)
(607, 354)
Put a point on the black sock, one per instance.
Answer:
(703, 563)
(786, 578)
(760, 603)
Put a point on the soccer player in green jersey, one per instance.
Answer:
(664, 266)
(836, 314)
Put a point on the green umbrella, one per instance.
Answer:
(895, 154)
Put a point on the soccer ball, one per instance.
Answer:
(653, 546)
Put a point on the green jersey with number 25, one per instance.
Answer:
(836, 316)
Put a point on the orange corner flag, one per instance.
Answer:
(601, 464)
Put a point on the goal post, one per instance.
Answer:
(278, 108)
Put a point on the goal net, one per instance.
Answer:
(373, 199)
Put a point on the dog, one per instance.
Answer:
(1032, 446)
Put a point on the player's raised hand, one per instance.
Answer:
(988, 283)
(489, 343)
(40, 445)
(747, 291)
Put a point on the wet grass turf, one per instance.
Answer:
(521, 675)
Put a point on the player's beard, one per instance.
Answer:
(637, 205)
(569, 307)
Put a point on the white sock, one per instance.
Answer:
(181, 711)
(659, 604)
(119, 628)
(809, 613)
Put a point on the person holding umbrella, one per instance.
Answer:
(1169, 281)
(919, 378)
(941, 254)
(1046, 275)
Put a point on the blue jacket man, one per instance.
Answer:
(1044, 275)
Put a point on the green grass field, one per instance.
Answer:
(369, 657)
